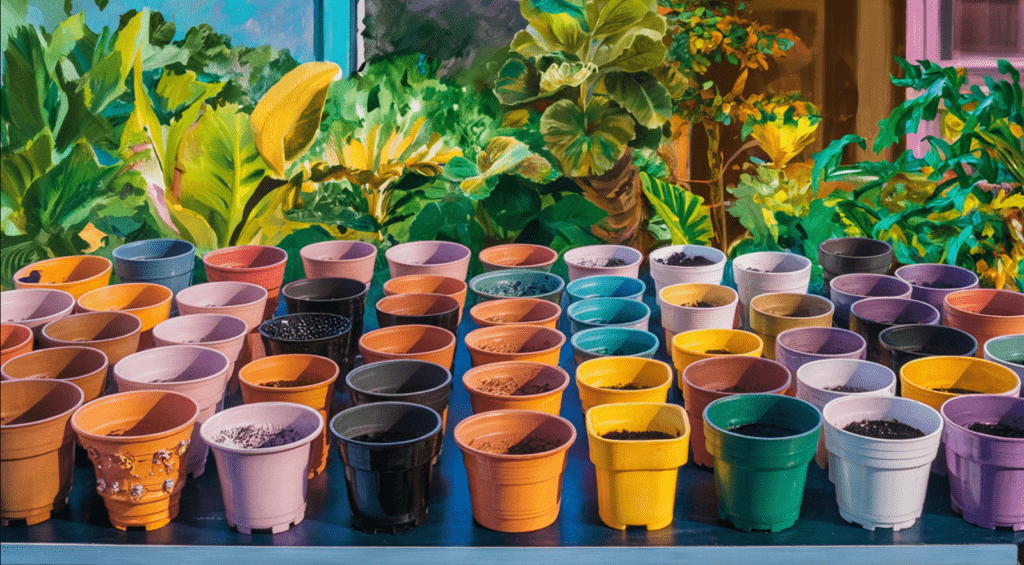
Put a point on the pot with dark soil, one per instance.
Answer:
(344, 297)
(517, 283)
(614, 380)
(843, 255)
(591, 260)
(678, 264)
(899, 345)
(522, 385)
(311, 333)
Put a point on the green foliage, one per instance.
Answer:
(681, 212)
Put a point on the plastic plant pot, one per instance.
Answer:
(985, 313)
(116, 334)
(868, 317)
(767, 272)
(986, 472)
(443, 258)
(264, 488)
(137, 442)
(151, 303)
(429, 284)
(519, 491)
(344, 297)
(847, 289)
(339, 259)
(636, 478)
(37, 448)
(388, 449)
(530, 311)
(518, 256)
(519, 283)
(880, 483)
(689, 271)
(302, 379)
(519, 385)
(931, 282)
(422, 309)
(608, 313)
(426, 343)
(514, 343)
(15, 340)
(696, 306)
(592, 260)
(845, 255)
(84, 367)
(772, 314)
(596, 343)
(256, 264)
(798, 346)
(1008, 351)
(216, 331)
(402, 380)
(691, 346)
(76, 275)
(606, 286)
(326, 335)
(35, 307)
(198, 372)
(760, 480)
(243, 300)
(708, 380)
(614, 380)
(901, 344)
(167, 262)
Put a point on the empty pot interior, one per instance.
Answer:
(57, 363)
(821, 341)
(624, 343)
(339, 250)
(1009, 349)
(829, 373)
(618, 311)
(895, 311)
(221, 294)
(927, 339)
(34, 304)
(408, 339)
(12, 335)
(769, 410)
(200, 328)
(611, 287)
(126, 297)
(425, 284)
(171, 365)
(618, 372)
(427, 253)
(791, 305)
(135, 414)
(767, 262)
(517, 255)
(399, 377)
(856, 247)
(937, 276)
(98, 326)
(502, 431)
(737, 374)
(989, 303)
(155, 249)
(24, 402)
(417, 304)
(246, 257)
(396, 422)
(870, 285)
(300, 369)
(66, 269)
(326, 289)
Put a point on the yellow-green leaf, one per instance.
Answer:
(608, 17)
(193, 228)
(143, 126)
(560, 75)
(687, 218)
(586, 143)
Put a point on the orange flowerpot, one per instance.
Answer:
(985, 314)
(514, 343)
(414, 341)
(116, 334)
(429, 284)
(532, 311)
(151, 303)
(520, 385)
(518, 256)
(84, 366)
(15, 340)
(257, 264)
(77, 275)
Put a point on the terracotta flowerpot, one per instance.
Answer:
(422, 309)
(985, 314)
(429, 284)
(167, 262)
(606, 286)
(517, 283)
(847, 289)
(844, 255)
(76, 275)
(116, 334)
(868, 317)
(514, 343)
(766, 272)
(1008, 351)
(343, 259)
(198, 372)
(681, 310)
(931, 282)
(518, 256)
(608, 313)
(151, 303)
(37, 448)
(443, 258)
(691, 346)
(137, 442)
(302, 379)
(772, 314)
(591, 260)
(515, 492)
(216, 331)
(532, 311)
(612, 342)
(35, 307)
(15, 340)
(901, 344)
(799, 346)
(614, 380)
(708, 380)
(85, 367)
(519, 385)
(402, 380)
(257, 264)
(665, 275)
(426, 343)
(344, 297)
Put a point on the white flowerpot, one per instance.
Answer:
(676, 318)
(769, 271)
(668, 275)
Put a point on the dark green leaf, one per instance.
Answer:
(512, 205)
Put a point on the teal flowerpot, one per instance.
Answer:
(613, 342)
(608, 312)
(517, 283)
(606, 286)
(762, 445)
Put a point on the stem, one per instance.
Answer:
(717, 192)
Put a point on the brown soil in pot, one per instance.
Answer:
(998, 430)
(527, 445)
(884, 429)
(845, 388)
(645, 435)
(955, 390)
(700, 304)
(509, 386)
(681, 259)
(626, 386)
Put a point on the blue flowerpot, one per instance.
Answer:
(166, 262)
(608, 312)
(606, 286)
(613, 342)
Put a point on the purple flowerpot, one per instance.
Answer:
(931, 282)
(845, 255)
(798, 346)
(986, 472)
(868, 317)
(847, 289)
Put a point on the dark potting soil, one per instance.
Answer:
(955, 390)
(519, 289)
(285, 384)
(734, 388)
(252, 436)
(645, 435)
(305, 328)
(936, 284)
(884, 429)
(532, 444)
(602, 262)
(718, 352)
(762, 430)
(626, 386)
(845, 388)
(999, 430)
(385, 436)
(700, 304)
(681, 259)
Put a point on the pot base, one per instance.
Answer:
(980, 520)
(285, 523)
(374, 525)
(745, 526)
(149, 515)
(867, 524)
(33, 516)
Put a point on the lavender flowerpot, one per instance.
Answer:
(796, 347)
(339, 259)
(868, 317)
(845, 255)
(1008, 351)
(899, 345)
(591, 260)
(168, 262)
(847, 289)
(35, 307)
(931, 282)
(768, 271)
(443, 258)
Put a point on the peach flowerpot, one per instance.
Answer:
(216, 331)
(514, 343)
(985, 314)
(531, 311)
(116, 334)
(35, 307)
(429, 284)
(15, 340)
(137, 442)
(427, 343)
(520, 385)
(257, 264)
(151, 303)
(37, 448)
(518, 256)
(76, 275)
(429, 258)
(299, 378)
(695, 345)
(614, 380)
(342, 259)
(84, 366)
(772, 314)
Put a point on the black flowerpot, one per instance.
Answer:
(314, 333)
(423, 309)
(899, 345)
(868, 317)
(345, 297)
(844, 255)
(387, 449)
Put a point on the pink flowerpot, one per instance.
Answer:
(85, 367)
(429, 258)
(216, 331)
(257, 264)
(35, 307)
(342, 259)
(985, 314)
(768, 271)
(592, 260)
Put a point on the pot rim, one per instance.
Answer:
(121, 249)
(738, 263)
(999, 339)
(662, 302)
(99, 313)
(755, 305)
(50, 351)
(53, 292)
(917, 404)
(21, 343)
(509, 365)
(957, 310)
(463, 285)
(967, 362)
(454, 307)
(120, 373)
(846, 361)
(74, 409)
(369, 249)
(571, 255)
(598, 279)
(262, 407)
(502, 331)
(515, 274)
(592, 435)
(389, 444)
(345, 328)
(511, 413)
(574, 340)
(814, 329)
(901, 328)
(596, 303)
(906, 268)
(664, 368)
(464, 252)
(125, 397)
(167, 293)
(216, 253)
(835, 283)
(731, 332)
(271, 360)
(685, 374)
(384, 365)
(22, 272)
(824, 249)
(496, 248)
(705, 251)
(475, 311)
(171, 323)
(934, 315)
(241, 285)
(302, 282)
(734, 397)
(949, 422)
(395, 329)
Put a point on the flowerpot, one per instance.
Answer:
(531, 311)
(606, 286)
(515, 461)
(608, 313)
(847, 289)
(242, 300)
(264, 488)
(257, 264)
(519, 283)
(881, 483)
(691, 346)
(514, 343)
(426, 343)
(443, 258)
(708, 380)
(846, 255)
(35, 307)
(37, 448)
(986, 472)
(819, 382)
(15, 340)
(137, 442)
(302, 379)
(869, 316)
(614, 380)
(985, 313)
(339, 259)
(76, 275)
(344, 297)
(931, 282)
(116, 334)
(772, 314)
(767, 272)
(681, 264)
(402, 380)
(518, 256)
(429, 284)
(167, 262)
(388, 449)
(216, 331)
(422, 309)
(798, 346)
(312, 333)
(900, 344)
(760, 478)
(696, 306)
(85, 367)
(198, 372)
(1007, 351)
(151, 303)
(636, 476)
(592, 260)
(519, 385)
(596, 343)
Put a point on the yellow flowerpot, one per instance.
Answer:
(921, 379)
(636, 478)
(613, 380)
(688, 347)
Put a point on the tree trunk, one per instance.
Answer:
(619, 193)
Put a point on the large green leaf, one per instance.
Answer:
(175, 92)
(22, 167)
(19, 250)
(644, 52)
(105, 81)
(639, 94)
(608, 17)
(25, 111)
(684, 213)
(517, 83)
(64, 196)
(586, 143)
(502, 155)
